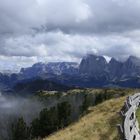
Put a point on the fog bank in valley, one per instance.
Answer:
(11, 108)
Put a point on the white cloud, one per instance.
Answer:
(60, 30)
(58, 46)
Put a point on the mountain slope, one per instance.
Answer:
(99, 124)
(34, 85)
(56, 68)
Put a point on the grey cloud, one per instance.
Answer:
(21, 16)
(87, 16)
(60, 30)
(103, 17)
(57, 46)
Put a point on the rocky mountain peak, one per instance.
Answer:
(133, 60)
(39, 64)
(92, 64)
(113, 60)
(95, 58)
(59, 68)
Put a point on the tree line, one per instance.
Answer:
(49, 121)
(53, 119)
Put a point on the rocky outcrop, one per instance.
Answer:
(93, 65)
(114, 69)
(131, 67)
(97, 65)
(59, 68)
(56, 68)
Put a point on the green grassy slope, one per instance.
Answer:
(99, 124)
(101, 120)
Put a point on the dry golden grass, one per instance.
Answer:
(99, 124)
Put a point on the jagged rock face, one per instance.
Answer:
(114, 69)
(59, 68)
(35, 70)
(56, 68)
(131, 67)
(93, 65)
(96, 66)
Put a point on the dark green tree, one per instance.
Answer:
(64, 113)
(35, 128)
(50, 120)
(46, 124)
(20, 131)
(85, 104)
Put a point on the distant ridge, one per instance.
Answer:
(93, 71)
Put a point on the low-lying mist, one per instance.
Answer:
(11, 108)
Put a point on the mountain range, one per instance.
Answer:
(114, 70)
(93, 71)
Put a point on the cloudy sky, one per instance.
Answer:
(59, 30)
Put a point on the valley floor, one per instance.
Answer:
(99, 124)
